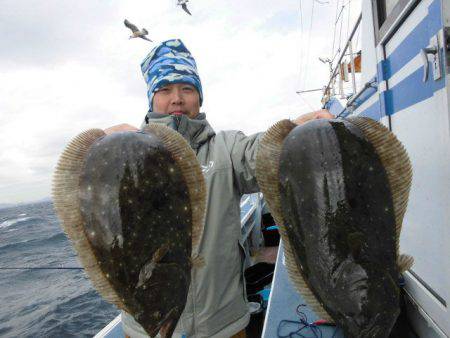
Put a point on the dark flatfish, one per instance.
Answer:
(133, 204)
(339, 190)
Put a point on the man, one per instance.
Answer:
(216, 305)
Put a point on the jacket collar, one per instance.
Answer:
(196, 131)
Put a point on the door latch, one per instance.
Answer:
(433, 50)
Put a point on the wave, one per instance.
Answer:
(44, 303)
(13, 221)
(54, 239)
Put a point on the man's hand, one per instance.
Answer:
(120, 127)
(318, 114)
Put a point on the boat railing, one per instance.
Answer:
(356, 99)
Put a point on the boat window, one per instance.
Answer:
(390, 4)
(386, 12)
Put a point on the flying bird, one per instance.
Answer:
(183, 5)
(136, 32)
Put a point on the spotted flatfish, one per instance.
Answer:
(133, 205)
(339, 189)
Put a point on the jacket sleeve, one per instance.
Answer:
(243, 151)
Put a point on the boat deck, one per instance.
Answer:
(283, 302)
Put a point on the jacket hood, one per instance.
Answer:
(196, 131)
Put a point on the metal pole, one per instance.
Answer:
(331, 74)
(350, 102)
(352, 63)
(309, 90)
(341, 83)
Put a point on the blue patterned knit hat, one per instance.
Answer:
(170, 62)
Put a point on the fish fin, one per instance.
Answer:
(396, 162)
(267, 175)
(147, 269)
(168, 324)
(67, 206)
(405, 262)
(160, 253)
(197, 261)
(145, 273)
(267, 165)
(186, 160)
(168, 328)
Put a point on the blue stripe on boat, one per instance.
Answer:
(410, 91)
(373, 111)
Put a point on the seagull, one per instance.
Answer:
(136, 32)
(183, 5)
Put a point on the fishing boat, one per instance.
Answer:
(394, 67)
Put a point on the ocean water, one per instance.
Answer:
(44, 303)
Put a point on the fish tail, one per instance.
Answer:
(405, 262)
(197, 261)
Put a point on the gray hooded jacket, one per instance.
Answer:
(216, 305)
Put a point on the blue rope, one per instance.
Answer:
(301, 324)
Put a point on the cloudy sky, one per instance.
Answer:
(67, 66)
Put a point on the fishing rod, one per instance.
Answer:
(42, 268)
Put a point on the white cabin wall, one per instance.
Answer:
(369, 57)
(446, 13)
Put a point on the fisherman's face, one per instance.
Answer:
(177, 99)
